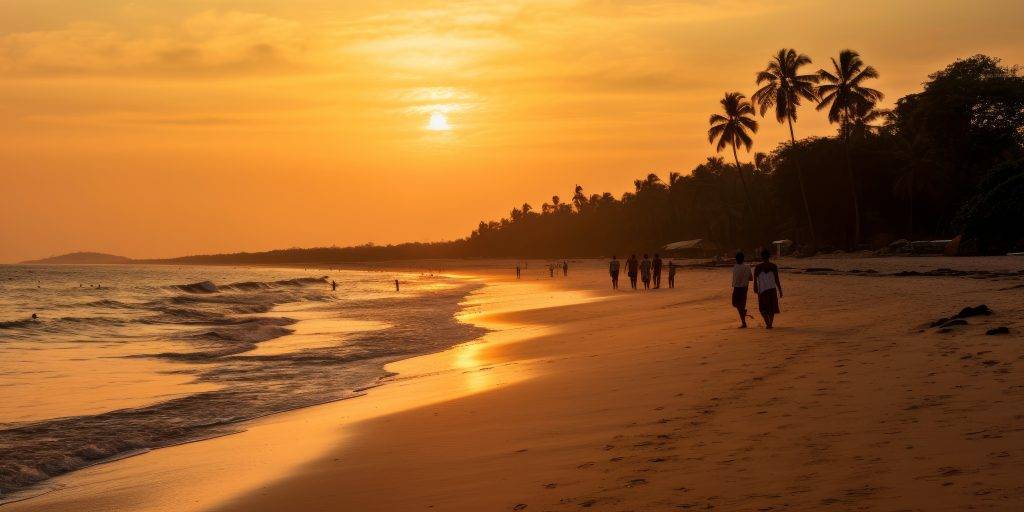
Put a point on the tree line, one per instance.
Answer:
(934, 166)
(945, 161)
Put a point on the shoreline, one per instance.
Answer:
(647, 400)
(72, 488)
(348, 357)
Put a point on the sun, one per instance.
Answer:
(438, 122)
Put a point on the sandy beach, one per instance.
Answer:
(584, 398)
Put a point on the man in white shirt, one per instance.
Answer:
(741, 277)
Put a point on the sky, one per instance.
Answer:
(164, 128)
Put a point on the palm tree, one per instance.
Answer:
(579, 199)
(783, 89)
(842, 92)
(731, 130)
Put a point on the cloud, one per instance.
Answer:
(208, 42)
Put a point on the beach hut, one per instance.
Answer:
(698, 248)
(782, 246)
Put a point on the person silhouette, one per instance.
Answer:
(631, 269)
(519, 271)
(672, 274)
(565, 268)
(334, 286)
(613, 270)
(768, 288)
(741, 278)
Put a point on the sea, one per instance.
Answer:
(121, 359)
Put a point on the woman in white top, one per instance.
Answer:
(768, 288)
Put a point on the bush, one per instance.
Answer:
(994, 218)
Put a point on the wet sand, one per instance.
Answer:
(582, 398)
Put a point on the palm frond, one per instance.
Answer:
(744, 140)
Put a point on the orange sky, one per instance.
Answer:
(162, 128)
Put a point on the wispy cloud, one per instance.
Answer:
(207, 42)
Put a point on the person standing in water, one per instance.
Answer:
(334, 286)
(396, 285)
(768, 288)
(741, 278)
(645, 272)
(672, 274)
(565, 268)
(631, 269)
(613, 270)
(519, 270)
(656, 268)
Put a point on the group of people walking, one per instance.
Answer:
(764, 275)
(648, 270)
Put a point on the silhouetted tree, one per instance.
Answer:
(843, 93)
(732, 129)
(782, 89)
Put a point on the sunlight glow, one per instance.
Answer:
(438, 122)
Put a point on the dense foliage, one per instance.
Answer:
(994, 219)
(886, 175)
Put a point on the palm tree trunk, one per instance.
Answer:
(853, 191)
(803, 190)
(746, 230)
(746, 193)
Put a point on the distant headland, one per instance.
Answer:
(80, 258)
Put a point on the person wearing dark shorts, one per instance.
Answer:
(768, 288)
(645, 272)
(632, 267)
(741, 278)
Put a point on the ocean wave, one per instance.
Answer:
(93, 320)
(205, 287)
(254, 331)
(200, 287)
(108, 303)
(214, 333)
(171, 315)
(19, 324)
